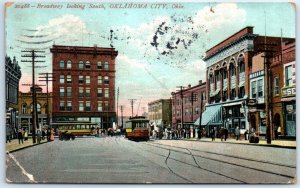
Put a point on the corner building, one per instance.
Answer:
(228, 65)
(84, 84)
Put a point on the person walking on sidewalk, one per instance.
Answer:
(20, 136)
(25, 134)
(212, 134)
(237, 133)
(225, 134)
(222, 133)
(246, 134)
(39, 136)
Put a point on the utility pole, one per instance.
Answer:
(131, 102)
(181, 96)
(117, 119)
(200, 117)
(193, 99)
(122, 108)
(32, 54)
(48, 78)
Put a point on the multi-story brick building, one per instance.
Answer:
(228, 89)
(160, 113)
(12, 78)
(84, 86)
(188, 102)
(283, 91)
(25, 108)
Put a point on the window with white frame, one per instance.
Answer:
(253, 89)
(61, 64)
(87, 65)
(61, 91)
(87, 80)
(106, 65)
(69, 92)
(80, 90)
(69, 64)
(288, 75)
(260, 88)
(87, 92)
(81, 107)
(99, 65)
(99, 80)
(69, 79)
(106, 106)
(99, 94)
(87, 106)
(62, 105)
(276, 86)
(80, 79)
(24, 108)
(106, 80)
(99, 106)
(80, 65)
(61, 79)
(106, 92)
(69, 106)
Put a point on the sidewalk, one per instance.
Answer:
(274, 143)
(15, 146)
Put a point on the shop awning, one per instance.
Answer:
(288, 99)
(211, 115)
(233, 103)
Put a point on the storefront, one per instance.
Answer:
(288, 99)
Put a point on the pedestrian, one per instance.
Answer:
(237, 133)
(48, 134)
(38, 135)
(246, 134)
(20, 136)
(43, 134)
(276, 132)
(222, 133)
(25, 134)
(51, 135)
(203, 132)
(225, 133)
(8, 133)
(212, 134)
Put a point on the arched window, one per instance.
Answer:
(106, 65)
(69, 64)
(232, 70)
(38, 108)
(241, 64)
(80, 65)
(24, 108)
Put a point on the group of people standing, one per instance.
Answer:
(223, 133)
(22, 135)
(41, 135)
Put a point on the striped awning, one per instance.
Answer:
(212, 114)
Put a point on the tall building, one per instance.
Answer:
(228, 65)
(84, 84)
(12, 78)
(159, 113)
(188, 102)
(25, 108)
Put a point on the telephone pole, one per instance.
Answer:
(117, 119)
(48, 78)
(131, 102)
(121, 108)
(33, 55)
(181, 96)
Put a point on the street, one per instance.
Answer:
(117, 160)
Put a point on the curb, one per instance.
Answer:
(25, 147)
(249, 144)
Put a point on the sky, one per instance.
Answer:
(160, 47)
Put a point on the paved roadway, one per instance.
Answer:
(117, 160)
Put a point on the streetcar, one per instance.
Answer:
(75, 128)
(137, 128)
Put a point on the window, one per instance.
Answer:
(69, 64)
(106, 92)
(99, 65)
(106, 80)
(232, 70)
(99, 80)
(69, 106)
(24, 108)
(106, 106)
(87, 92)
(260, 88)
(87, 65)
(99, 92)
(224, 96)
(211, 79)
(62, 91)
(106, 66)
(276, 86)
(62, 106)
(241, 92)
(87, 106)
(80, 80)
(242, 65)
(69, 79)
(61, 64)
(69, 92)
(253, 89)
(80, 94)
(61, 79)
(99, 106)
(80, 65)
(288, 75)
(87, 80)
(232, 94)
(217, 76)
(224, 74)
(81, 106)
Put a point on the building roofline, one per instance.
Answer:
(156, 101)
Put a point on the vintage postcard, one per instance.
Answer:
(150, 92)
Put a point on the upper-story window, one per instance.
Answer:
(80, 80)
(61, 64)
(99, 106)
(253, 89)
(24, 108)
(69, 105)
(232, 70)
(99, 65)
(211, 79)
(69, 79)
(87, 80)
(106, 65)
(106, 80)
(87, 65)
(276, 86)
(87, 106)
(224, 73)
(69, 92)
(61, 91)
(99, 80)
(241, 65)
(80, 65)
(288, 75)
(81, 107)
(69, 64)
(106, 92)
(218, 76)
(61, 79)
(260, 88)
(80, 92)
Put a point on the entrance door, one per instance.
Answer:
(291, 124)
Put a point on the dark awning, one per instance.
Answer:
(211, 115)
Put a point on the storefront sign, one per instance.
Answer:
(290, 108)
(262, 114)
(252, 102)
(288, 91)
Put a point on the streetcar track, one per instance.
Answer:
(225, 162)
(232, 156)
(197, 166)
